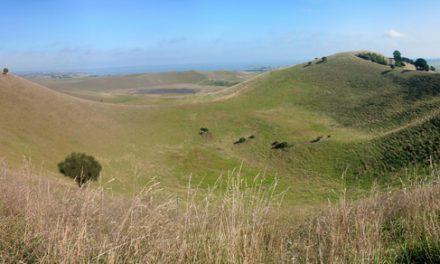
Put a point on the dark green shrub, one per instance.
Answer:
(400, 64)
(421, 64)
(323, 60)
(374, 57)
(80, 167)
(397, 56)
(203, 130)
(240, 140)
(432, 68)
(404, 59)
(280, 145)
(5, 71)
(315, 140)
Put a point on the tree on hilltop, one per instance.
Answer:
(421, 65)
(398, 59)
(397, 55)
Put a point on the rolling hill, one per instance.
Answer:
(345, 117)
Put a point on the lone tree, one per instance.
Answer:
(421, 65)
(432, 68)
(5, 71)
(398, 59)
(80, 167)
(397, 55)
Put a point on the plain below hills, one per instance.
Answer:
(128, 88)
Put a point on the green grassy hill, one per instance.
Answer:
(359, 108)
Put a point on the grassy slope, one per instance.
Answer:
(348, 98)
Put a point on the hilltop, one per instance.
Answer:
(341, 116)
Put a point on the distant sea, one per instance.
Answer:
(435, 63)
(249, 66)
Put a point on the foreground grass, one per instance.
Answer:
(48, 221)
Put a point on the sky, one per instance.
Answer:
(86, 34)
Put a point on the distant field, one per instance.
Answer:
(129, 89)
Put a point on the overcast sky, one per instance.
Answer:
(80, 34)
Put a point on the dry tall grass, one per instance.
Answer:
(395, 227)
(46, 221)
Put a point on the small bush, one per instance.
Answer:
(80, 167)
(240, 140)
(203, 130)
(5, 71)
(280, 145)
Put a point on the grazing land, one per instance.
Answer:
(330, 161)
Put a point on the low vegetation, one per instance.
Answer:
(374, 57)
(396, 227)
(47, 221)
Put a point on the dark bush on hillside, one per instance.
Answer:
(239, 141)
(279, 145)
(432, 68)
(374, 57)
(5, 71)
(316, 140)
(80, 167)
(421, 65)
(203, 130)
(323, 60)
(404, 59)
(399, 64)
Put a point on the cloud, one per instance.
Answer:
(392, 33)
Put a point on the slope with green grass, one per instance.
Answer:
(356, 108)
